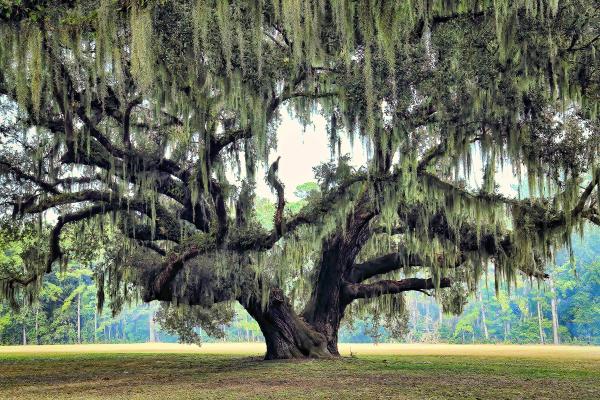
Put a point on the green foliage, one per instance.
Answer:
(305, 190)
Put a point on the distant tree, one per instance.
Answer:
(483, 317)
(305, 190)
(578, 300)
(466, 325)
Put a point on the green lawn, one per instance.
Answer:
(438, 374)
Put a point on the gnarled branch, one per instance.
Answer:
(355, 291)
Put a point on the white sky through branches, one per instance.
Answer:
(302, 148)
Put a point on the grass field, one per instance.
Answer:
(232, 371)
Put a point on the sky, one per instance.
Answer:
(302, 148)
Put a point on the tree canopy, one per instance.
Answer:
(128, 116)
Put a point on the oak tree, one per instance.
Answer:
(128, 115)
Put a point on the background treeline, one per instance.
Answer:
(565, 308)
(66, 313)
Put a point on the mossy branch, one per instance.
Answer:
(366, 291)
(276, 185)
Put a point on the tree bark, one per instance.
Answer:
(286, 334)
(554, 309)
(24, 334)
(325, 309)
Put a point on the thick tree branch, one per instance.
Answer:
(22, 175)
(382, 265)
(86, 213)
(226, 139)
(311, 213)
(176, 261)
(355, 291)
(127, 120)
(592, 215)
(578, 209)
(277, 101)
(544, 219)
(152, 246)
(276, 185)
(27, 207)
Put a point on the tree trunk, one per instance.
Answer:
(426, 319)
(415, 318)
(95, 326)
(483, 321)
(151, 328)
(539, 313)
(324, 311)
(286, 334)
(24, 334)
(78, 318)
(554, 312)
(37, 326)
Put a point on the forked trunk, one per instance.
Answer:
(325, 310)
(286, 335)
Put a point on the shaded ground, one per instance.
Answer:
(382, 372)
